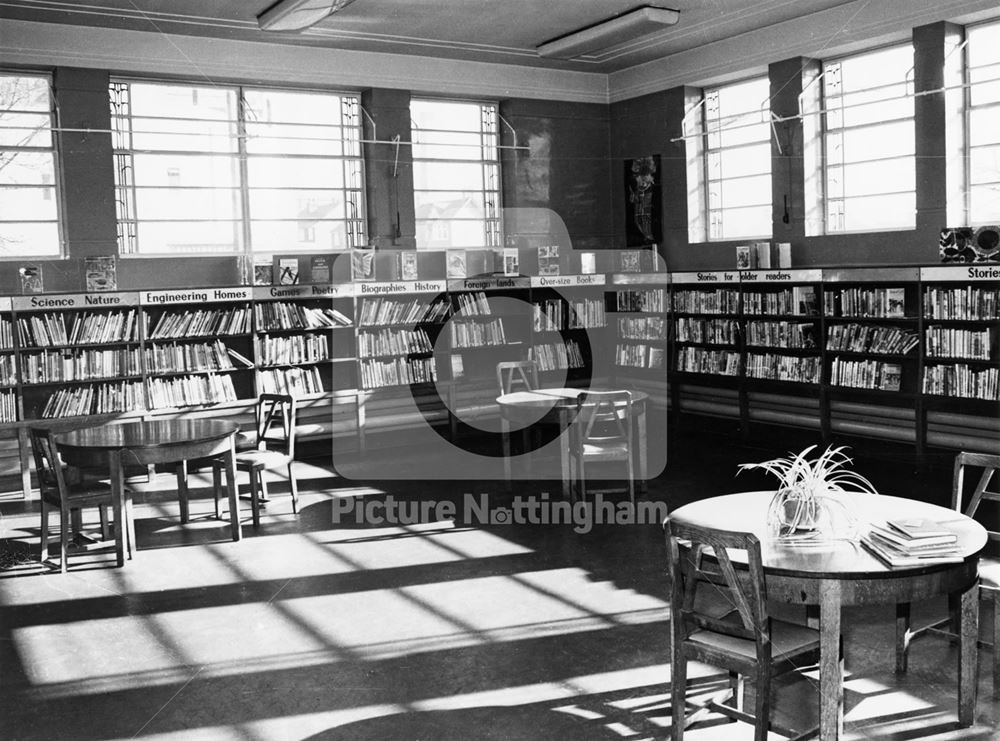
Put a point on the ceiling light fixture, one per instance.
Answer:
(639, 22)
(298, 15)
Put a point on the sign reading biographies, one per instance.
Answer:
(643, 206)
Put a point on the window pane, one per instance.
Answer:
(184, 136)
(445, 115)
(741, 223)
(447, 145)
(984, 126)
(984, 165)
(157, 170)
(877, 142)
(27, 168)
(28, 204)
(24, 129)
(985, 202)
(297, 172)
(751, 160)
(755, 191)
(36, 238)
(298, 236)
(195, 203)
(269, 203)
(879, 212)
(284, 106)
(293, 139)
(442, 233)
(190, 237)
(872, 178)
(448, 176)
(470, 202)
(183, 101)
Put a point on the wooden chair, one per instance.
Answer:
(985, 466)
(275, 417)
(719, 617)
(512, 372)
(602, 433)
(61, 489)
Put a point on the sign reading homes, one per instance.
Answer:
(195, 296)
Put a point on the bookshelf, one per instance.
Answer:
(568, 321)
(8, 363)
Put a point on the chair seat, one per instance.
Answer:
(787, 639)
(80, 495)
(262, 459)
(612, 449)
(989, 573)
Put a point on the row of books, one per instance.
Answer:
(89, 328)
(719, 301)
(586, 313)
(866, 302)
(639, 356)
(871, 338)
(8, 406)
(547, 316)
(952, 342)
(962, 381)
(293, 349)
(6, 334)
(393, 342)
(772, 367)
(54, 367)
(397, 372)
(642, 328)
(473, 304)
(794, 335)
(558, 356)
(8, 374)
(382, 311)
(201, 323)
(795, 300)
(478, 334)
(177, 358)
(294, 381)
(714, 331)
(651, 300)
(104, 398)
(287, 315)
(866, 374)
(703, 360)
(185, 391)
(969, 302)
(912, 542)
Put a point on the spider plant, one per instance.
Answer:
(813, 497)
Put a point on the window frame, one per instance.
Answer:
(968, 108)
(355, 229)
(57, 170)
(492, 223)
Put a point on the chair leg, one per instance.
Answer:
(736, 688)
(43, 553)
(678, 695)
(64, 530)
(996, 643)
(255, 484)
(762, 702)
(216, 485)
(294, 486)
(105, 520)
(264, 497)
(631, 480)
(902, 636)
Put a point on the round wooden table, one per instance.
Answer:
(558, 405)
(151, 442)
(844, 573)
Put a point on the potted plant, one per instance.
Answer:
(813, 502)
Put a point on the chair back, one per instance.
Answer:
(605, 416)
(511, 372)
(986, 466)
(276, 417)
(48, 465)
(735, 605)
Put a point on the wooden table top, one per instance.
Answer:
(747, 512)
(159, 433)
(549, 398)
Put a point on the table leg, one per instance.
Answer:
(831, 667)
(118, 504)
(643, 453)
(234, 502)
(968, 655)
(567, 484)
(182, 490)
(505, 444)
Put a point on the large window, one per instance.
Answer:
(984, 123)
(29, 210)
(869, 142)
(738, 160)
(215, 169)
(456, 174)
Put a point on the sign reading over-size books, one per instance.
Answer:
(316, 290)
(961, 273)
(402, 286)
(567, 281)
(195, 296)
(60, 301)
(705, 276)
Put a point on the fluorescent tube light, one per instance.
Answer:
(639, 22)
(298, 15)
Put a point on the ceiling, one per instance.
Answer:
(496, 31)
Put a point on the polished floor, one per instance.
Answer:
(432, 627)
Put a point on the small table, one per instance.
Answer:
(844, 573)
(151, 442)
(559, 404)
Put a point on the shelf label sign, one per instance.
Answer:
(317, 290)
(565, 281)
(781, 276)
(721, 276)
(73, 301)
(980, 272)
(488, 284)
(402, 286)
(194, 296)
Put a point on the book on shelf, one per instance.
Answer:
(239, 357)
(363, 265)
(263, 271)
(510, 261)
(288, 271)
(588, 263)
(762, 253)
(320, 269)
(548, 259)
(101, 273)
(746, 257)
(892, 376)
(456, 264)
(457, 366)
(408, 265)
(630, 261)
(895, 299)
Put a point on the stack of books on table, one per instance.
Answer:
(912, 543)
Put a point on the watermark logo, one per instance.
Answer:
(475, 509)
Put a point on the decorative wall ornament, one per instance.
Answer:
(969, 244)
(643, 203)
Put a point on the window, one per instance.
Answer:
(29, 211)
(868, 143)
(738, 160)
(456, 174)
(984, 131)
(209, 170)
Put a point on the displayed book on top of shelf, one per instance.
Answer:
(746, 257)
(408, 265)
(363, 265)
(100, 273)
(263, 271)
(588, 263)
(762, 253)
(288, 271)
(31, 278)
(548, 259)
(510, 261)
(630, 261)
(320, 268)
(782, 255)
(456, 264)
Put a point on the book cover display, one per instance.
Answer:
(456, 267)
(288, 271)
(31, 278)
(548, 259)
(100, 273)
(320, 269)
